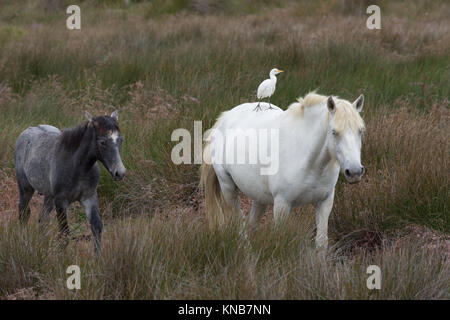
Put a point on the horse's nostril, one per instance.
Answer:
(118, 175)
(347, 172)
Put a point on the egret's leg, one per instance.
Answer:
(270, 106)
(257, 108)
(323, 210)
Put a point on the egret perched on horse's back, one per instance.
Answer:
(267, 87)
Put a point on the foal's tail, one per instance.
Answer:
(217, 208)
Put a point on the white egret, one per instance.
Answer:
(267, 87)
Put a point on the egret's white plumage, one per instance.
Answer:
(267, 87)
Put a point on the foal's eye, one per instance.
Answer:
(334, 132)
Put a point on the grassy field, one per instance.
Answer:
(164, 64)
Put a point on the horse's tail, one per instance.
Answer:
(216, 206)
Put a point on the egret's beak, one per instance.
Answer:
(280, 71)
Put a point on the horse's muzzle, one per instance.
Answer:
(354, 175)
(118, 174)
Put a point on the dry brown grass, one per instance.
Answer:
(179, 257)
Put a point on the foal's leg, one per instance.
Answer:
(49, 205)
(90, 204)
(61, 205)
(26, 192)
(323, 210)
(281, 211)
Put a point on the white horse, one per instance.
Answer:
(318, 137)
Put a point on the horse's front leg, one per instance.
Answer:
(281, 210)
(323, 210)
(90, 205)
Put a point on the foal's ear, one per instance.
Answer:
(88, 116)
(358, 104)
(331, 105)
(115, 115)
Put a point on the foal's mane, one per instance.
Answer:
(72, 137)
(346, 116)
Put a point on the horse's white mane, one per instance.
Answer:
(311, 99)
(346, 115)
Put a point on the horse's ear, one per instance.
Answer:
(115, 115)
(88, 116)
(359, 103)
(331, 105)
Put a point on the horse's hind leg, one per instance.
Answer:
(91, 206)
(230, 196)
(229, 191)
(26, 192)
(256, 213)
(49, 205)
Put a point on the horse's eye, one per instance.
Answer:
(334, 132)
(103, 142)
